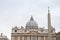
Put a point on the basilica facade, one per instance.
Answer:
(33, 32)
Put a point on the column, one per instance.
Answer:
(36, 38)
(54, 38)
(15, 38)
(12, 38)
(18, 38)
(31, 38)
(39, 38)
(28, 38)
(25, 38)
(44, 38)
(22, 38)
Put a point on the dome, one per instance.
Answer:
(31, 24)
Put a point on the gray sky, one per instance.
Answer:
(18, 12)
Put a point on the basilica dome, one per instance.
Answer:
(31, 24)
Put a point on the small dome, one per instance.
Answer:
(31, 24)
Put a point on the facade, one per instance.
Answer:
(58, 36)
(33, 32)
(2, 37)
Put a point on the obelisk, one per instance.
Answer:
(49, 26)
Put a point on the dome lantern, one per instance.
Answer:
(31, 19)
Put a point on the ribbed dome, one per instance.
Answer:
(31, 24)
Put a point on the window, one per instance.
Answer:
(15, 30)
(51, 30)
(42, 30)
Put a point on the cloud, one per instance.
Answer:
(18, 12)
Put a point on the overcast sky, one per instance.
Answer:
(18, 12)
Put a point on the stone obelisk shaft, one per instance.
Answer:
(49, 26)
